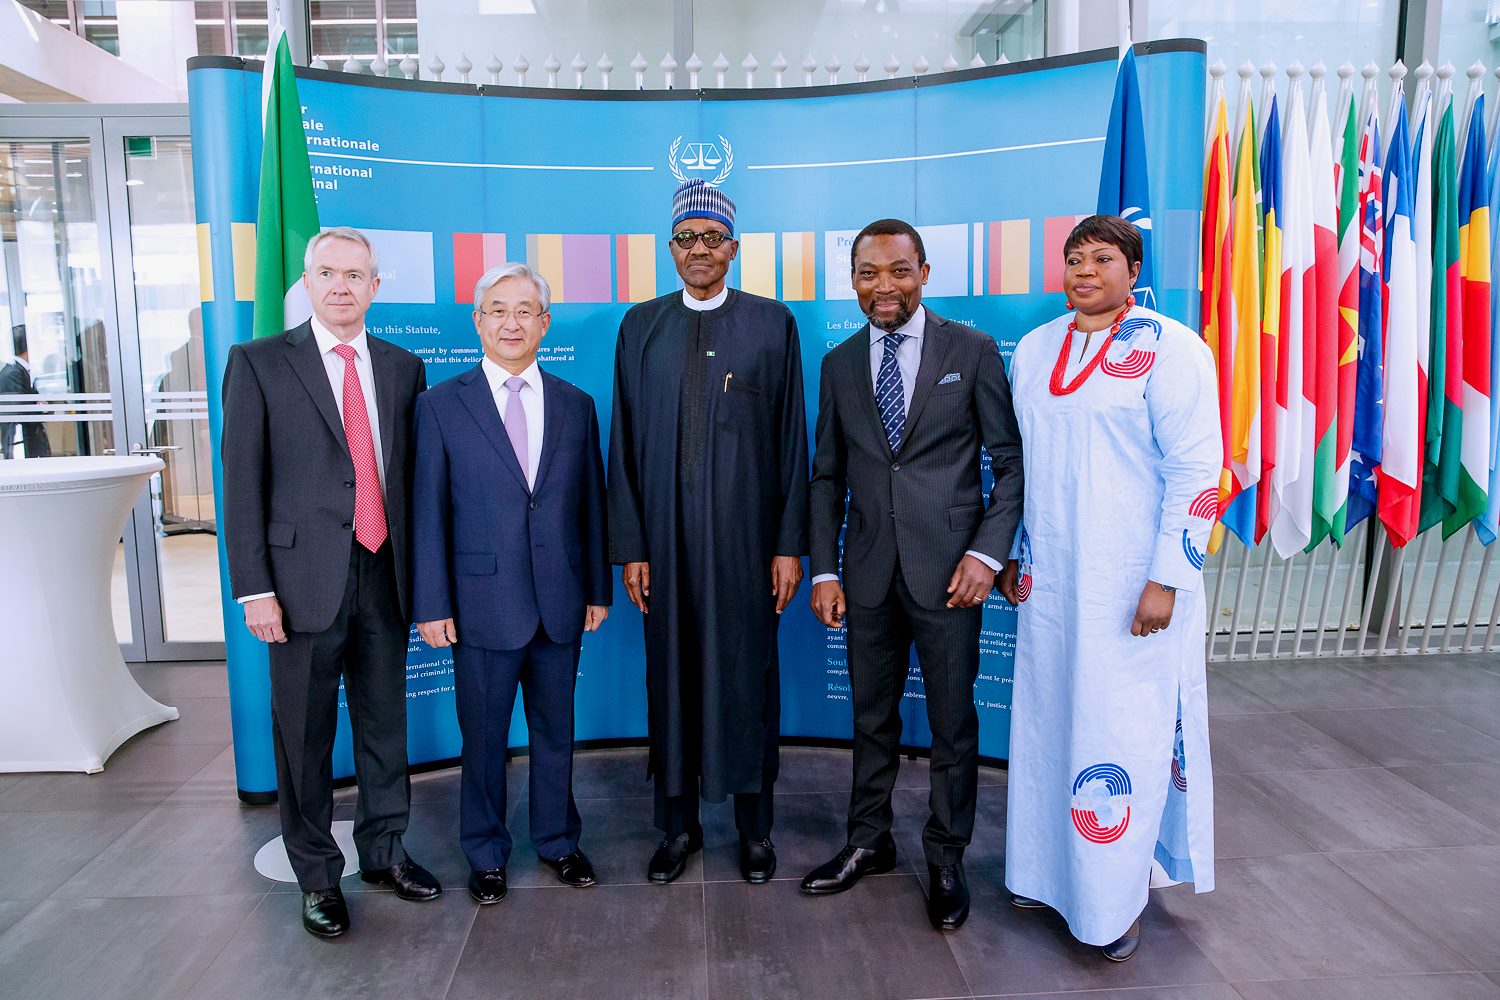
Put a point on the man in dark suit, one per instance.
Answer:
(15, 380)
(510, 553)
(903, 408)
(317, 484)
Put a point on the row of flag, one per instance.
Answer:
(1348, 294)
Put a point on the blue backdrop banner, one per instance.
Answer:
(993, 165)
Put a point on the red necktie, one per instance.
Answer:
(369, 506)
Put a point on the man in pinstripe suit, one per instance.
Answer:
(903, 409)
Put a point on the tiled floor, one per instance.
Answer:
(1358, 825)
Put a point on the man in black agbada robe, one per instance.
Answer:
(708, 516)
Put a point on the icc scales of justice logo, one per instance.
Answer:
(1101, 803)
(709, 160)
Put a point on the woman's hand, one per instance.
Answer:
(1154, 611)
(1010, 582)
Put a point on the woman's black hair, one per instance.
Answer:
(1110, 229)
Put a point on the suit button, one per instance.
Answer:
(895, 466)
(535, 505)
(348, 484)
(893, 512)
(347, 525)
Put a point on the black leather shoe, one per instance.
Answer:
(670, 859)
(1026, 902)
(572, 869)
(324, 912)
(488, 887)
(849, 866)
(947, 896)
(757, 860)
(409, 879)
(1127, 945)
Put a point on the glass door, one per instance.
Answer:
(149, 166)
(59, 360)
(101, 344)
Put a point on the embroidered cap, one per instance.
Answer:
(697, 199)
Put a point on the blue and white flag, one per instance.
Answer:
(1124, 189)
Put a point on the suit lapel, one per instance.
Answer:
(385, 397)
(552, 418)
(303, 356)
(934, 352)
(480, 401)
(866, 381)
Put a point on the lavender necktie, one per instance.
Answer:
(515, 422)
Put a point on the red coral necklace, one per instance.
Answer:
(1056, 383)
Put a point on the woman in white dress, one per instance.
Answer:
(1109, 762)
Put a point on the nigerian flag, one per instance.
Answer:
(288, 214)
(1450, 494)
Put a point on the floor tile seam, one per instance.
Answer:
(223, 947)
(1182, 929)
(1307, 770)
(707, 966)
(23, 917)
(1364, 975)
(1400, 918)
(97, 854)
(458, 956)
(1441, 709)
(1403, 850)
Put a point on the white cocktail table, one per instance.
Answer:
(67, 699)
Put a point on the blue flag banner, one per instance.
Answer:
(448, 179)
(1124, 181)
(1369, 392)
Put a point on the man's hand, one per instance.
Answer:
(263, 619)
(637, 576)
(1010, 582)
(970, 584)
(1154, 612)
(439, 633)
(593, 617)
(828, 603)
(786, 577)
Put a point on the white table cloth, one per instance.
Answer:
(67, 700)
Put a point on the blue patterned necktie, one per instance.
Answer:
(890, 397)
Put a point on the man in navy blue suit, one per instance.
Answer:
(511, 568)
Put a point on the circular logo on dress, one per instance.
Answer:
(1139, 335)
(1179, 761)
(1023, 583)
(1101, 803)
(1205, 505)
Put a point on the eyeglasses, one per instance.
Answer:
(522, 315)
(711, 239)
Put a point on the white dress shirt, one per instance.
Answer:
(908, 360)
(704, 305)
(531, 403)
(25, 365)
(333, 365)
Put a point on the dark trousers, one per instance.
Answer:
(485, 682)
(879, 643)
(366, 645)
(754, 812)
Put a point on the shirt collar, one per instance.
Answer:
(496, 375)
(704, 305)
(26, 365)
(912, 328)
(327, 341)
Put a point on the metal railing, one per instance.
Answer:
(1364, 598)
(720, 71)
